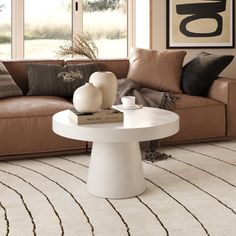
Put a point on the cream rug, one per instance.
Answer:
(193, 193)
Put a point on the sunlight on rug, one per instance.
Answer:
(191, 193)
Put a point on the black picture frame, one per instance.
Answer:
(180, 15)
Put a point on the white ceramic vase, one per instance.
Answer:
(106, 81)
(87, 98)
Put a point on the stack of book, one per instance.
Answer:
(102, 116)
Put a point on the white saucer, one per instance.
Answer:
(136, 106)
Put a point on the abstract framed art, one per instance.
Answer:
(200, 24)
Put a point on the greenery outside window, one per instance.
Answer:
(38, 28)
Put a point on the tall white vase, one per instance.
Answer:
(106, 81)
(87, 98)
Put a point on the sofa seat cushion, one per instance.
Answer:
(185, 101)
(200, 118)
(26, 126)
(32, 106)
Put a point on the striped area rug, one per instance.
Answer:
(193, 193)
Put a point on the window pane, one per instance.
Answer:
(5, 29)
(106, 22)
(47, 25)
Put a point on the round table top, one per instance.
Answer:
(139, 125)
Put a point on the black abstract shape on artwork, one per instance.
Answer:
(198, 11)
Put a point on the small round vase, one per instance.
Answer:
(106, 81)
(87, 98)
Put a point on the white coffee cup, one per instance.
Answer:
(128, 101)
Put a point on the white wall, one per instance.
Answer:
(142, 20)
(159, 38)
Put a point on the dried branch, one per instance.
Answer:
(70, 76)
(82, 44)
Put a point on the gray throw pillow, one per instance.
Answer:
(8, 87)
(200, 72)
(57, 80)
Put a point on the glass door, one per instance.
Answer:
(36, 29)
(107, 23)
(47, 24)
(5, 29)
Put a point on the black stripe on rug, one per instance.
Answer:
(196, 167)
(167, 233)
(25, 206)
(157, 217)
(6, 219)
(82, 165)
(46, 197)
(73, 162)
(209, 194)
(180, 205)
(220, 146)
(142, 202)
(59, 185)
(113, 207)
(122, 219)
(205, 155)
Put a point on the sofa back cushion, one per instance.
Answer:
(57, 80)
(18, 68)
(8, 87)
(18, 71)
(119, 67)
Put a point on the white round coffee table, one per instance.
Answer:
(115, 169)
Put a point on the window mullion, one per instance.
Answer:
(77, 16)
(17, 28)
(131, 24)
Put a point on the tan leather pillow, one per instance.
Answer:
(157, 70)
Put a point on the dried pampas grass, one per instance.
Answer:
(82, 45)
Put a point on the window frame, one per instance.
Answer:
(17, 29)
(17, 25)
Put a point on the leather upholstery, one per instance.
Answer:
(26, 122)
(224, 90)
(26, 126)
(118, 67)
(200, 118)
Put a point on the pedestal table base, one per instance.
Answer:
(115, 170)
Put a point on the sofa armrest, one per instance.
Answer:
(224, 90)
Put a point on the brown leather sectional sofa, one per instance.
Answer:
(26, 121)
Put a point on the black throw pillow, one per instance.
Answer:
(57, 80)
(200, 72)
